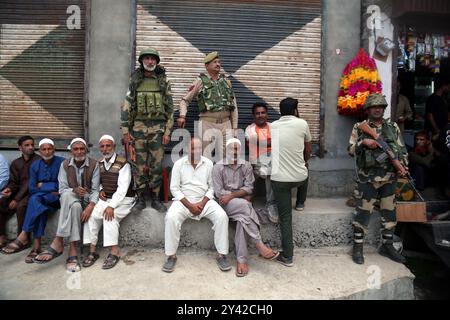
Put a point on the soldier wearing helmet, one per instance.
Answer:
(147, 121)
(376, 177)
(216, 105)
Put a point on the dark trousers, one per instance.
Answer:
(6, 214)
(302, 192)
(283, 197)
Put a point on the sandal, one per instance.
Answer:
(110, 261)
(33, 254)
(90, 259)
(19, 246)
(272, 256)
(73, 260)
(49, 252)
(240, 273)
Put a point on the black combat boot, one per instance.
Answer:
(157, 204)
(357, 255)
(358, 240)
(387, 250)
(140, 203)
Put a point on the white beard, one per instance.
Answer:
(151, 69)
(108, 155)
(47, 158)
(80, 159)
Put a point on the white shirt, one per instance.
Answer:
(289, 135)
(123, 181)
(192, 184)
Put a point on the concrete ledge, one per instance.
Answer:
(324, 223)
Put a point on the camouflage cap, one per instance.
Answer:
(211, 56)
(375, 100)
(149, 52)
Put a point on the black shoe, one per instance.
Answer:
(140, 204)
(158, 205)
(357, 255)
(287, 262)
(169, 265)
(388, 251)
(223, 263)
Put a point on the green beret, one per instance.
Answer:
(211, 56)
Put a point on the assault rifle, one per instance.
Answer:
(388, 153)
(130, 150)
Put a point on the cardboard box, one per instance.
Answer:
(411, 212)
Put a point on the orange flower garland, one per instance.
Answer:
(360, 78)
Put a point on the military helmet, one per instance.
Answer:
(149, 52)
(375, 100)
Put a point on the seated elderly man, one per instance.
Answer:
(192, 188)
(44, 198)
(79, 181)
(116, 200)
(233, 185)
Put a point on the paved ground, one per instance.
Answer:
(317, 274)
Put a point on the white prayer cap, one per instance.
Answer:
(69, 147)
(234, 140)
(106, 137)
(46, 141)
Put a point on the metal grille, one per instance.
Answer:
(42, 66)
(270, 49)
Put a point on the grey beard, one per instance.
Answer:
(108, 155)
(151, 69)
(47, 158)
(80, 158)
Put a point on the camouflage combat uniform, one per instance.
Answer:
(217, 106)
(147, 114)
(377, 179)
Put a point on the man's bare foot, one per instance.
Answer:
(241, 269)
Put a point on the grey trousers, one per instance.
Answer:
(69, 223)
(247, 226)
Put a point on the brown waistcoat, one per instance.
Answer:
(109, 178)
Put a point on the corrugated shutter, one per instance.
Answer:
(42, 65)
(270, 49)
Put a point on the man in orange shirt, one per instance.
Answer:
(259, 140)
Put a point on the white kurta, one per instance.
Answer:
(119, 202)
(194, 185)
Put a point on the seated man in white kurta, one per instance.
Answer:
(116, 200)
(192, 187)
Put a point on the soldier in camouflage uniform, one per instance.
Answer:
(377, 178)
(217, 105)
(147, 121)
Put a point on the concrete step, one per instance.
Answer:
(323, 223)
(316, 274)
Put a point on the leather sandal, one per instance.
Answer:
(20, 246)
(90, 259)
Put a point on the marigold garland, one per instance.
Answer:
(359, 79)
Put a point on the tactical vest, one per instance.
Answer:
(367, 158)
(215, 95)
(86, 175)
(109, 178)
(149, 100)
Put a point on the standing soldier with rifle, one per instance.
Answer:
(380, 155)
(147, 120)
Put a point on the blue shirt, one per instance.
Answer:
(45, 173)
(4, 172)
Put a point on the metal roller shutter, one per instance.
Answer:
(42, 71)
(270, 49)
